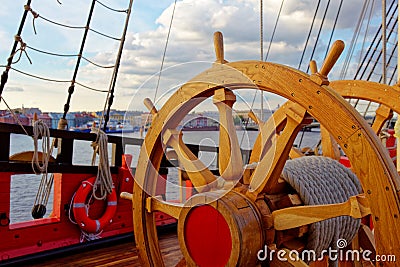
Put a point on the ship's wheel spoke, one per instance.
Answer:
(267, 130)
(329, 146)
(230, 156)
(383, 114)
(366, 240)
(288, 218)
(156, 204)
(265, 176)
(201, 177)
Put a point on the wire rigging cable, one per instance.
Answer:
(69, 55)
(37, 15)
(309, 34)
(319, 33)
(274, 30)
(362, 67)
(55, 80)
(165, 51)
(334, 27)
(113, 9)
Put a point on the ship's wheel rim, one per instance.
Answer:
(354, 134)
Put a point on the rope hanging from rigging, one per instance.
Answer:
(41, 130)
(103, 183)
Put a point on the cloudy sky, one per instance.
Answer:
(190, 48)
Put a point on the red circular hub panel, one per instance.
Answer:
(207, 237)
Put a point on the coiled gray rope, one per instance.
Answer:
(321, 180)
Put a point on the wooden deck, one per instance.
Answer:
(123, 254)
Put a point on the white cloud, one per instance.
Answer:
(190, 40)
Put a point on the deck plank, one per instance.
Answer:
(124, 254)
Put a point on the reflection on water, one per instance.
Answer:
(24, 187)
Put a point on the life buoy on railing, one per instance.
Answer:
(80, 209)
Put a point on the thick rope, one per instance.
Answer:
(320, 180)
(103, 183)
(41, 130)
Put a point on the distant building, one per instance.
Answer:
(27, 111)
(82, 118)
(7, 117)
(44, 117)
(55, 118)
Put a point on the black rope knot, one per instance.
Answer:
(71, 89)
(21, 50)
(34, 14)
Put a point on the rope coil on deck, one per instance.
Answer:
(321, 180)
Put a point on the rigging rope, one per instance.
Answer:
(274, 30)
(366, 32)
(309, 34)
(110, 94)
(72, 86)
(319, 33)
(334, 27)
(57, 81)
(14, 115)
(69, 55)
(36, 15)
(164, 53)
(113, 9)
(355, 38)
(103, 183)
(356, 76)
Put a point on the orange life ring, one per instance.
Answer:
(81, 212)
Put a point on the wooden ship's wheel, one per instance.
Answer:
(388, 98)
(243, 211)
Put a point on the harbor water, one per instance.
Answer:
(24, 187)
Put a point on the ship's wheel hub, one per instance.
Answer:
(219, 233)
